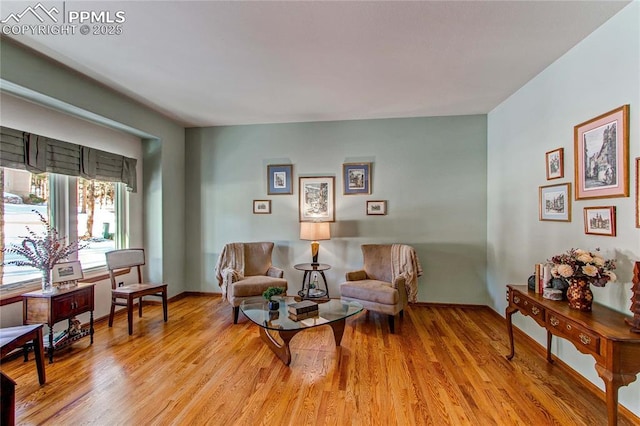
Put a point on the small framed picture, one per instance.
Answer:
(602, 155)
(638, 192)
(600, 221)
(316, 199)
(66, 271)
(554, 202)
(261, 206)
(555, 163)
(357, 178)
(279, 179)
(377, 207)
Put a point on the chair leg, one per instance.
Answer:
(164, 305)
(236, 311)
(140, 307)
(112, 312)
(391, 324)
(130, 314)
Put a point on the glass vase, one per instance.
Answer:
(47, 287)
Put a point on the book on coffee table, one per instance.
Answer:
(302, 307)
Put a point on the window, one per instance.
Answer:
(89, 210)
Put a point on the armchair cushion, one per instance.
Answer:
(254, 286)
(370, 290)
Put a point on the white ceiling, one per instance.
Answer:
(220, 63)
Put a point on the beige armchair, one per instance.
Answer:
(244, 270)
(388, 280)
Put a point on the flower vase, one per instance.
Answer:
(579, 294)
(47, 287)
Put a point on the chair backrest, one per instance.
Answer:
(257, 258)
(377, 261)
(125, 258)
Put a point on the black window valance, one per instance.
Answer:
(39, 154)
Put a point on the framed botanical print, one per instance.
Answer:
(261, 206)
(555, 163)
(279, 179)
(600, 221)
(554, 202)
(356, 178)
(602, 155)
(316, 199)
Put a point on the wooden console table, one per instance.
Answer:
(59, 305)
(601, 333)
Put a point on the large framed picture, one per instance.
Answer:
(66, 271)
(555, 163)
(638, 192)
(261, 206)
(356, 178)
(602, 155)
(554, 202)
(600, 221)
(279, 179)
(316, 199)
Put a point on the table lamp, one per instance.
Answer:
(314, 231)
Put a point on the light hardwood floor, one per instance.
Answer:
(445, 366)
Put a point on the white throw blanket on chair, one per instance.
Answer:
(230, 266)
(404, 261)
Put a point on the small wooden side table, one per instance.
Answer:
(59, 305)
(309, 269)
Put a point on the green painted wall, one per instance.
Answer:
(599, 74)
(432, 172)
(40, 80)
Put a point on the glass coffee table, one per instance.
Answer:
(277, 329)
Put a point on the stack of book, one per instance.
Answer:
(302, 310)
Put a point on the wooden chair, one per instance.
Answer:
(126, 294)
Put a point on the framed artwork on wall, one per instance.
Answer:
(555, 163)
(600, 221)
(554, 202)
(638, 192)
(356, 178)
(261, 206)
(316, 199)
(602, 155)
(377, 207)
(279, 179)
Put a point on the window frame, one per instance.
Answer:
(62, 215)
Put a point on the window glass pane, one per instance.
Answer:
(96, 221)
(23, 192)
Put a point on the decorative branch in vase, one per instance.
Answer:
(42, 250)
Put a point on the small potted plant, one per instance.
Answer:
(269, 293)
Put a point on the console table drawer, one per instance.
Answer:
(528, 307)
(581, 337)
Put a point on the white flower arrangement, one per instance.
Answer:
(577, 263)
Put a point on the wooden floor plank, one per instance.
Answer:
(444, 366)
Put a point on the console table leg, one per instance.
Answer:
(509, 313)
(549, 335)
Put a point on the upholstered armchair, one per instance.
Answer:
(388, 280)
(244, 270)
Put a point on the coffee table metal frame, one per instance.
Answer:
(277, 329)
